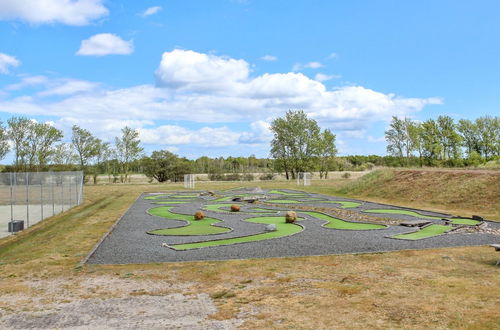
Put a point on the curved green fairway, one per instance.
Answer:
(157, 196)
(282, 229)
(194, 227)
(429, 231)
(294, 194)
(335, 223)
(344, 204)
(461, 221)
(403, 212)
(219, 208)
(172, 202)
(282, 201)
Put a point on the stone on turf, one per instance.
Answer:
(199, 215)
(271, 227)
(290, 217)
(235, 208)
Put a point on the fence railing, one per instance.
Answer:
(29, 197)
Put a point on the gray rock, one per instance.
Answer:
(271, 227)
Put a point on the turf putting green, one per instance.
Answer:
(429, 231)
(172, 202)
(219, 208)
(282, 201)
(403, 212)
(285, 193)
(194, 227)
(462, 221)
(156, 197)
(336, 223)
(344, 204)
(282, 229)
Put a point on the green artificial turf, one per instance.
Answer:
(280, 192)
(282, 229)
(429, 231)
(461, 221)
(335, 223)
(344, 204)
(282, 201)
(403, 212)
(172, 202)
(156, 196)
(194, 227)
(219, 208)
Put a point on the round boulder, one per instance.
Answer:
(199, 215)
(235, 208)
(290, 217)
(271, 227)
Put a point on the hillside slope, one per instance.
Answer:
(457, 191)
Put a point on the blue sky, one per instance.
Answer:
(207, 77)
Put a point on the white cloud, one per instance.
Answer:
(53, 86)
(105, 44)
(269, 58)
(189, 70)
(7, 62)
(203, 88)
(310, 65)
(69, 87)
(69, 12)
(151, 11)
(325, 77)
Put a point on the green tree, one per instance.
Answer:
(40, 144)
(18, 130)
(294, 146)
(326, 152)
(4, 141)
(450, 139)
(165, 165)
(470, 138)
(488, 129)
(414, 130)
(397, 137)
(431, 143)
(86, 146)
(128, 148)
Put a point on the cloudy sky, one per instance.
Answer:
(207, 77)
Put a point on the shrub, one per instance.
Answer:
(267, 176)
(248, 177)
(346, 175)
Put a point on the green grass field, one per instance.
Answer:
(429, 231)
(194, 227)
(225, 208)
(335, 223)
(282, 229)
(344, 204)
(462, 221)
(282, 201)
(403, 212)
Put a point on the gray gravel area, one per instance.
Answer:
(129, 242)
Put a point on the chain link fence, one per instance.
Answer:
(29, 197)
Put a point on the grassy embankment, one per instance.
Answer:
(439, 288)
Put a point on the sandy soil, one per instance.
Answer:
(129, 303)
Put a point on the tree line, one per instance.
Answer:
(444, 141)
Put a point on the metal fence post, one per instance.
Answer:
(27, 200)
(52, 176)
(11, 205)
(41, 199)
(62, 192)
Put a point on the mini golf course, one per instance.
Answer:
(161, 227)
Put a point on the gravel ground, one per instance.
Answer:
(129, 242)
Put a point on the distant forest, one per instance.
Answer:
(299, 145)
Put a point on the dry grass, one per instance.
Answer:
(441, 288)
